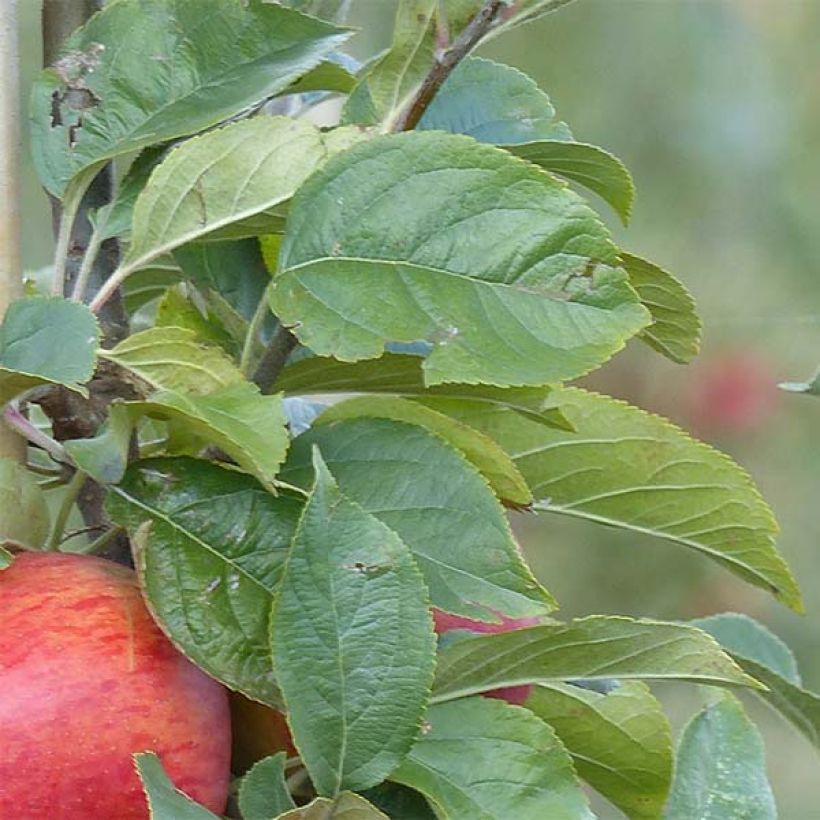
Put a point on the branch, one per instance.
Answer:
(444, 65)
(274, 359)
(11, 268)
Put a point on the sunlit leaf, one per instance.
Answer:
(620, 741)
(594, 648)
(508, 273)
(347, 806)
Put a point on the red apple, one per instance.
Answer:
(444, 622)
(86, 680)
(258, 731)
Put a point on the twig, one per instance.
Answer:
(466, 41)
(274, 359)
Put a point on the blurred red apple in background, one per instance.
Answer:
(257, 731)
(732, 392)
(445, 622)
(86, 680)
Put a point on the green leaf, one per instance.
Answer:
(493, 103)
(810, 388)
(487, 760)
(481, 451)
(352, 642)
(437, 503)
(399, 802)
(165, 801)
(142, 72)
(172, 358)
(6, 558)
(588, 165)
(402, 375)
(210, 546)
(114, 219)
(177, 309)
(675, 330)
(46, 340)
(235, 270)
(498, 104)
(327, 76)
(627, 468)
(263, 793)
(593, 648)
(721, 769)
(391, 78)
(143, 286)
(24, 517)
(506, 271)
(620, 742)
(347, 806)
(767, 658)
(105, 456)
(222, 179)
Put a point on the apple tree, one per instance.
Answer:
(308, 346)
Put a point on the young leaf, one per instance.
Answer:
(439, 505)
(352, 642)
(105, 456)
(675, 329)
(172, 358)
(498, 104)
(246, 425)
(507, 272)
(620, 742)
(769, 660)
(347, 806)
(142, 72)
(721, 769)
(164, 801)
(148, 284)
(396, 374)
(46, 340)
(263, 793)
(484, 454)
(24, 516)
(177, 309)
(487, 760)
(210, 545)
(221, 179)
(592, 648)
(627, 468)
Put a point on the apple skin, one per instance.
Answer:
(86, 680)
(444, 622)
(258, 731)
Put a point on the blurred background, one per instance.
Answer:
(714, 105)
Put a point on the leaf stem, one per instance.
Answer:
(71, 207)
(274, 359)
(261, 313)
(466, 41)
(72, 492)
(98, 544)
(17, 421)
(109, 288)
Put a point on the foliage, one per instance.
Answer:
(438, 288)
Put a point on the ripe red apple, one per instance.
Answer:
(86, 680)
(258, 731)
(444, 622)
